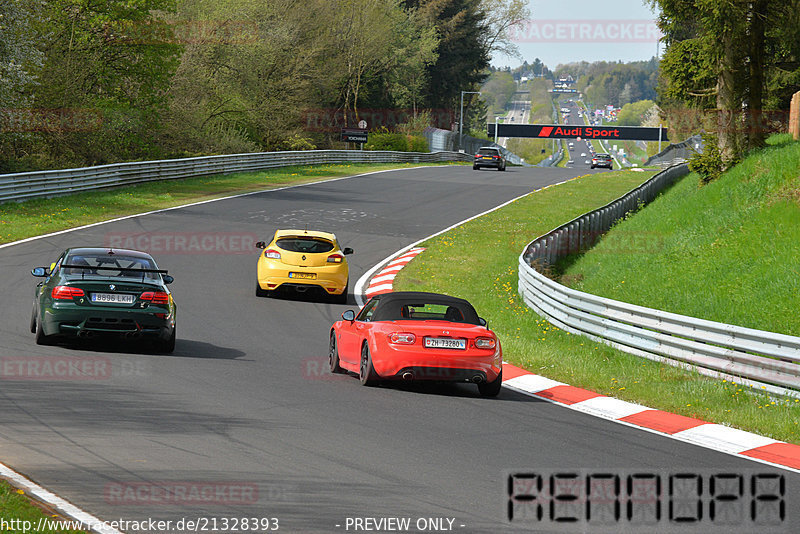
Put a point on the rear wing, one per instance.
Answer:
(85, 268)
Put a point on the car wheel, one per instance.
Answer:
(333, 355)
(342, 299)
(168, 346)
(475, 168)
(367, 374)
(41, 338)
(503, 168)
(33, 320)
(261, 292)
(491, 389)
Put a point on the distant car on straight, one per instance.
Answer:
(93, 292)
(301, 260)
(602, 160)
(488, 156)
(417, 336)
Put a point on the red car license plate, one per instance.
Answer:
(445, 343)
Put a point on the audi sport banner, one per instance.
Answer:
(570, 131)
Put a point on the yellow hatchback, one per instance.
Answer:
(302, 260)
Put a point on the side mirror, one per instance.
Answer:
(39, 271)
(349, 315)
(261, 244)
(347, 251)
(167, 279)
(482, 322)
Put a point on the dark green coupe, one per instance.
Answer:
(92, 292)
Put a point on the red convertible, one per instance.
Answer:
(417, 336)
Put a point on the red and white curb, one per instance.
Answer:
(687, 429)
(383, 281)
(696, 431)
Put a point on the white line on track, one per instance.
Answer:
(63, 507)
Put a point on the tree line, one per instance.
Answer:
(87, 82)
(729, 68)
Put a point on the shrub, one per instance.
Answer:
(708, 163)
(417, 143)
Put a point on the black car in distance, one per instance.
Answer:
(489, 157)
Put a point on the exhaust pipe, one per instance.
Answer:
(301, 289)
(477, 379)
(408, 375)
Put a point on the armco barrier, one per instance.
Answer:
(27, 185)
(763, 360)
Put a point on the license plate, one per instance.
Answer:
(307, 276)
(113, 298)
(487, 157)
(445, 343)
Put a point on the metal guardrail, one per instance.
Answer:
(27, 185)
(763, 360)
(676, 153)
(446, 140)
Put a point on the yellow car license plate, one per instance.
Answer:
(306, 276)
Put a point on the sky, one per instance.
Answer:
(584, 30)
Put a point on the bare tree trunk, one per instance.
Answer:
(755, 126)
(729, 103)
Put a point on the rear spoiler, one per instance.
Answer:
(127, 269)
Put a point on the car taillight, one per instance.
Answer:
(495, 157)
(155, 297)
(66, 292)
(402, 338)
(335, 258)
(272, 254)
(485, 343)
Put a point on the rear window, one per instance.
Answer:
(425, 311)
(305, 244)
(606, 156)
(107, 265)
(489, 152)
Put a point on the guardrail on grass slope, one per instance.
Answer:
(763, 360)
(27, 185)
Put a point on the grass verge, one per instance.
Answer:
(727, 251)
(45, 215)
(21, 515)
(496, 241)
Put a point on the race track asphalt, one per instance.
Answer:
(243, 404)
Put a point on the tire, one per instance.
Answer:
(503, 168)
(491, 389)
(33, 320)
(41, 338)
(475, 168)
(367, 375)
(342, 299)
(261, 292)
(333, 355)
(168, 346)
(592, 166)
